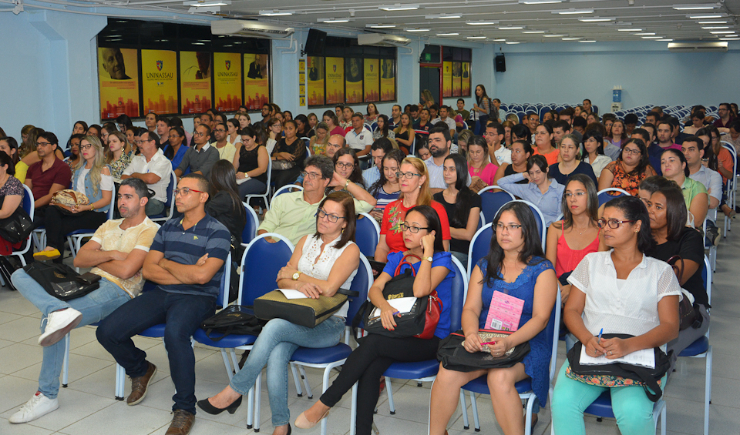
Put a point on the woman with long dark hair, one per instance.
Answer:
(388, 186)
(383, 130)
(404, 134)
(515, 265)
(287, 157)
(331, 120)
(481, 109)
(461, 204)
(674, 166)
(542, 191)
(544, 141)
(479, 163)
(570, 161)
(175, 149)
(224, 202)
(593, 145)
(371, 114)
(632, 166)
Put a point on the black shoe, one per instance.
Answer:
(206, 406)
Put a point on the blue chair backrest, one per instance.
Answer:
(361, 284)
(539, 219)
(250, 229)
(479, 246)
(492, 201)
(604, 195)
(261, 263)
(170, 191)
(28, 201)
(367, 234)
(223, 293)
(459, 292)
(287, 189)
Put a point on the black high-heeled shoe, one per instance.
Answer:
(206, 406)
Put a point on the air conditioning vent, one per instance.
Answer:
(692, 47)
(251, 29)
(381, 39)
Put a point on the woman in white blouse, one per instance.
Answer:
(593, 145)
(321, 264)
(622, 291)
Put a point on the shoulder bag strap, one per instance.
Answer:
(403, 261)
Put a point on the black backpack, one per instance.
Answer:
(232, 320)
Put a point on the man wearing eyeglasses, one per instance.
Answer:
(153, 168)
(360, 139)
(226, 150)
(725, 118)
(47, 176)
(116, 253)
(201, 157)
(186, 261)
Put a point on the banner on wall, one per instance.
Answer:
(315, 81)
(387, 80)
(334, 80)
(466, 79)
(195, 82)
(159, 81)
(372, 80)
(227, 81)
(118, 79)
(456, 79)
(353, 80)
(446, 79)
(256, 81)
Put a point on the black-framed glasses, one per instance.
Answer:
(42, 144)
(509, 228)
(414, 230)
(311, 175)
(612, 223)
(330, 217)
(632, 151)
(406, 175)
(341, 165)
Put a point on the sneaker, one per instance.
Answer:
(58, 324)
(182, 422)
(38, 406)
(140, 385)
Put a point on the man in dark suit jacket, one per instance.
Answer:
(255, 72)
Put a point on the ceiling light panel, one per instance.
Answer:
(398, 7)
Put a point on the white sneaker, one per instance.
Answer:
(58, 324)
(37, 407)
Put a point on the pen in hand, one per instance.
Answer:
(599, 339)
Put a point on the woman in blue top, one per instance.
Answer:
(516, 266)
(434, 271)
(176, 148)
(542, 191)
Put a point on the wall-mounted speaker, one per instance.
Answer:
(499, 63)
(315, 43)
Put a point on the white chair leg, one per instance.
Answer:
(227, 364)
(65, 363)
(297, 381)
(389, 390)
(309, 392)
(528, 416)
(120, 382)
(707, 389)
(250, 406)
(464, 409)
(324, 387)
(257, 401)
(474, 405)
(353, 411)
(663, 421)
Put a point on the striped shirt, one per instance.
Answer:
(208, 236)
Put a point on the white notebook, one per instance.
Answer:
(644, 358)
(292, 294)
(403, 305)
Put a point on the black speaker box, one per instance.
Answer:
(499, 63)
(315, 42)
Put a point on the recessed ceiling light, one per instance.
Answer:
(533, 31)
(713, 22)
(476, 37)
(553, 36)
(652, 37)
(206, 4)
(481, 23)
(398, 7)
(276, 13)
(572, 11)
(664, 40)
(513, 42)
(417, 30)
(715, 27)
(588, 40)
(721, 32)
(595, 19)
(334, 20)
(729, 39)
(448, 34)
(511, 27)
(696, 7)
(443, 17)
(572, 38)
(538, 2)
(645, 34)
(380, 26)
(706, 16)
(499, 40)
(629, 30)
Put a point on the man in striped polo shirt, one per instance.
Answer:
(186, 261)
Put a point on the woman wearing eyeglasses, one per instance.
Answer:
(321, 264)
(348, 178)
(632, 166)
(424, 252)
(622, 291)
(414, 191)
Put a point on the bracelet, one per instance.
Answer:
(346, 183)
(92, 207)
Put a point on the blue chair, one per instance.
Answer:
(367, 234)
(480, 244)
(425, 371)
(260, 264)
(265, 196)
(481, 221)
(335, 356)
(75, 237)
(27, 205)
(288, 188)
(524, 388)
(602, 407)
(250, 229)
(731, 184)
(492, 201)
(605, 197)
(169, 204)
(540, 219)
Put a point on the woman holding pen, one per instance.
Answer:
(622, 291)
(515, 265)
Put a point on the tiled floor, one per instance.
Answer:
(87, 406)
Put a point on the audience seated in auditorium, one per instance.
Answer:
(47, 176)
(630, 122)
(176, 148)
(395, 119)
(465, 114)
(560, 129)
(358, 137)
(11, 197)
(570, 162)
(288, 157)
(118, 155)
(515, 265)
(201, 156)
(251, 163)
(378, 150)
(440, 142)
(319, 140)
(153, 168)
(348, 177)
(711, 180)
(371, 113)
(404, 134)
(675, 167)
(384, 129)
(331, 120)
(542, 191)
(632, 166)
(479, 164)
(115, 253)
(463, 139)
(186, 261)
(386, 189)
(462, 205)
(224, 202)
(226, 149)
(725, 119)
(9, 146)
(610, 150)
(608, 291)
(425, 121)
(423, 251)
(521, 151)
(494, 136)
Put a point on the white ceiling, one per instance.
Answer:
(658, 18)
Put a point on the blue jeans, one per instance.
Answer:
(94, 307)
(274, 348)
(182, 314)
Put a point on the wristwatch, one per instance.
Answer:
(296, 276)
(346, 184)
(429, 259)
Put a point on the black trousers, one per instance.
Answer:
(367, 364)
(58, 224)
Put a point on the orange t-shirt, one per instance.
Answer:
(551, 157)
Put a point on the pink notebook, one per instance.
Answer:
(504, 312)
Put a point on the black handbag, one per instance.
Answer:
(16, 227)
(61, 281)
(232, 320)
(646, 376)
(453, 355)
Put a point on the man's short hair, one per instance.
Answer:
(530, 114)
(142, 191)
(642, 133)
(156, 117)
(699, 143)
(568, 111)
(631, 118)
(608, 116)
(165, 120)
(498, 127)
(586, 99)
(579, 121)
(208, 128)
(210, 117)
(400, 109)
(175, 122)
(413, 108)
(446, 107)
(339, 107)
(323, 164)
(153, 136)
(443, 128)
(434, 106)
(460, 99)
(497, 100)
(50, 137)
(203, 182)
(522, 131)
(565, 125)
(357, 115)
(673, 121)
(382, 144)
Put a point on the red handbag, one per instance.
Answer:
(434, 303)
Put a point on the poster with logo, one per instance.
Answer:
(315, 81)
(159, 81)
(353, 80)
(256, 81)
(466, 79)
(372, 80)
(334, 80)
(227, 81)
(456, 79)
(118, 80)
(446, 79)
(387, 80)
(195, 82)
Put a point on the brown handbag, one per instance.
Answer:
(687, 313)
